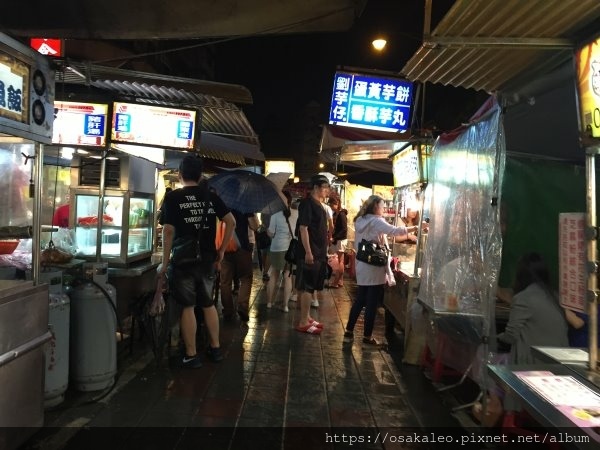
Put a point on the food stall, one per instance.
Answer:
(26, 113)
(409, 167)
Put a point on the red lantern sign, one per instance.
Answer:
(48, 47)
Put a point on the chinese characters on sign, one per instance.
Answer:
(79, 123)
(571, 260)
(11, 92)
(366, 101)
(153, 125)
(405, 167)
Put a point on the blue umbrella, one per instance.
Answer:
(247, 192)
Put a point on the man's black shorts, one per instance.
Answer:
(311, 278)
(193, 285)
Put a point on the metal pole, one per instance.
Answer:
(592, 280)
(38, 164)
(102, 187)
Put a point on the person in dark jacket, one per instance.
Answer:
(339, 240)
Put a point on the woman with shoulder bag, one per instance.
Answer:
(281, 232)
(370, 225)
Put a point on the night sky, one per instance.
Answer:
(287, 72)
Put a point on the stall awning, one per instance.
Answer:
(366, 149)
(178, 19)
(226, 132)
(496, 45)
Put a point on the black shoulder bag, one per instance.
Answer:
(372, 253)
(290, 254)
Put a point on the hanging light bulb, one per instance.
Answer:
(379, 44)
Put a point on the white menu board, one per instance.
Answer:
(571, 260)
(79, 123)
(153, 125)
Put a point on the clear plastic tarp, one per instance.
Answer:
(464, 246)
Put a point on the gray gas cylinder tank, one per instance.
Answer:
(93, 350)
(56, 376)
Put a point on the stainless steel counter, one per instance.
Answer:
(23, 331)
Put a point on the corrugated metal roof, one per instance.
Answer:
(488, 44)
(219, 117)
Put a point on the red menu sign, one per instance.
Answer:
(48, 47)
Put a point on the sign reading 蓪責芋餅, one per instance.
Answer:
(153, 125)
(78, 123)
(370, 101)
(571, 261)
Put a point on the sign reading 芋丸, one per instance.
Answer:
(79, 123)
(153, 125)
(14, 82)
(372, 102)
(571, 260)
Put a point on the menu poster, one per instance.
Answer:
(157, 126)
(578, 402)
(571, 260)
(79, 123)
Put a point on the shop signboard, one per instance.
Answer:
(159, 126)
(373, 102)
(406, 167)
(571, 260)
(77, 123)
(48, 47)
(588, 86)
(280, 166)
(26, 92)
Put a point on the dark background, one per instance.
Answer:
(291, 76)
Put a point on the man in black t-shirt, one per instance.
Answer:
(186, 213)
(311, 262)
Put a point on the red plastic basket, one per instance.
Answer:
(7, 247)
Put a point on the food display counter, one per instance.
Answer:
(127, 225)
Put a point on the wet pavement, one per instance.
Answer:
(276, 388)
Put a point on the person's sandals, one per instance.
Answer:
(315, 323)
(311, 328)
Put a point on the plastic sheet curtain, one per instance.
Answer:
(464, 247)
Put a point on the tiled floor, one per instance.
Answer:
(277, 388)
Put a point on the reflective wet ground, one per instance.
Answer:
(276, 388)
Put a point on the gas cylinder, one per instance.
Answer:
(93, 355)
(56, 377)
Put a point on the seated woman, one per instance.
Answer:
(536, 317)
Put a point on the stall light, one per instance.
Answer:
(112, 158)
(379, 44)
(321, 165)
(81, 151)
(67, 152)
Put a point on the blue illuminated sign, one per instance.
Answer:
(94, 124)
(366, 101)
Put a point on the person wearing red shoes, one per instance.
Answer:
(311, 258)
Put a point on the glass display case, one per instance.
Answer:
(126, 225)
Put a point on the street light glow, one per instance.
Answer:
(379, 44)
